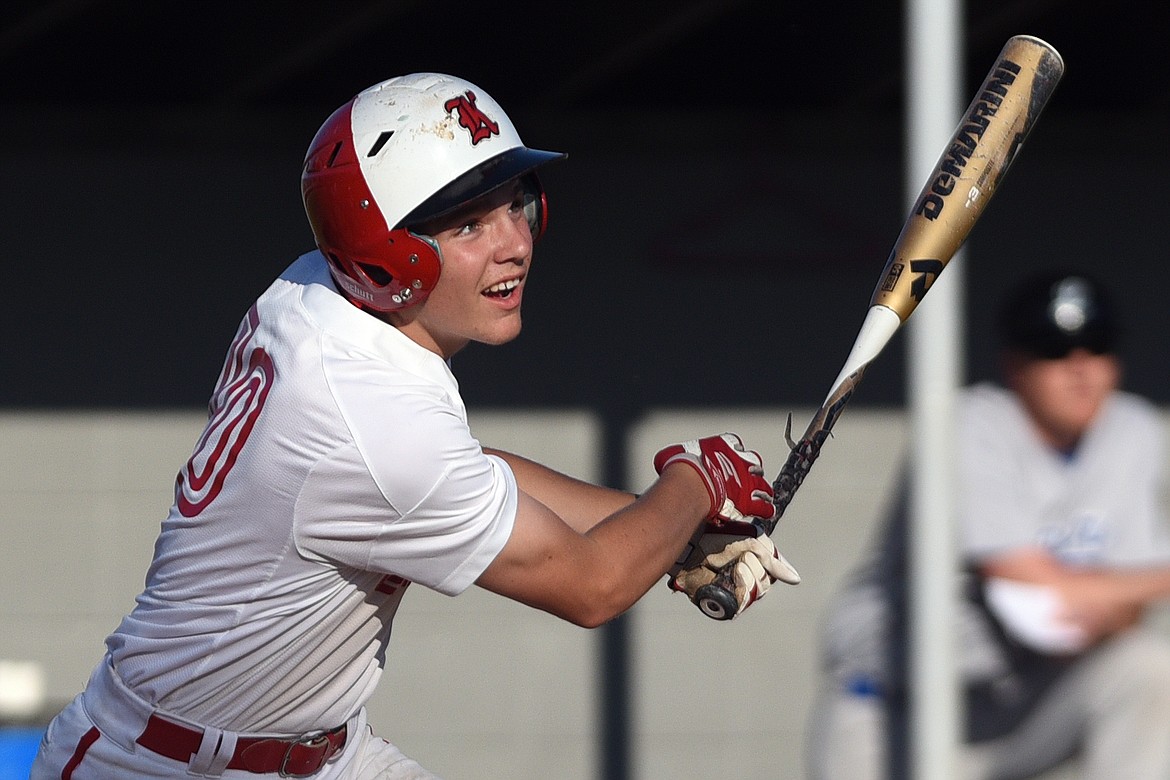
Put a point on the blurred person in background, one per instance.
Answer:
(1063, 547)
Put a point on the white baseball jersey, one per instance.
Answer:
(336, 468)
(1097, 506)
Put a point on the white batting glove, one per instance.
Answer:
(757, 564)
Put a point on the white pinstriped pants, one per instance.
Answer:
(1112, 711)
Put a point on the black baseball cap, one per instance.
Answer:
(1053, 313)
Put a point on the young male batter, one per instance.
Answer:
(337, 469)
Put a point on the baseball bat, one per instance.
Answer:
(970, 170)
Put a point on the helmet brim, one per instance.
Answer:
(480, 180)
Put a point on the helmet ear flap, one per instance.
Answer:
(406, 272)
(535, 205)
(400, 275)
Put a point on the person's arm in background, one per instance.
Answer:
(1100, 601)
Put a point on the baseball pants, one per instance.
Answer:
(93, 738)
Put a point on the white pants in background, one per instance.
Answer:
(1111, 710)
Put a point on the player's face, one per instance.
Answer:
(487, 251)
(1064, 395)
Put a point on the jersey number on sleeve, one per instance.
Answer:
(236, 403)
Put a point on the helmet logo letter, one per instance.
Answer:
(471, 117)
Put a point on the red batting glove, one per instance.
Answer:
(734, 477)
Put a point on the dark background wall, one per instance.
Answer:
(734, 185)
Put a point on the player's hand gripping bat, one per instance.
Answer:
(970, 170)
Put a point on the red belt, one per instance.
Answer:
(299, 757)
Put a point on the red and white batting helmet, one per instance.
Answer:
(399, 153)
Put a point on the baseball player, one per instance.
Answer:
(337, 469)
(1063, 540)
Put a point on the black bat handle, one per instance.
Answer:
(717, 599)
(800, 462)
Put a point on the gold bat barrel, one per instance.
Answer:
(972, 165)
(983, 147)
(987, 140)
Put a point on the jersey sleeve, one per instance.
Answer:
(413, 494)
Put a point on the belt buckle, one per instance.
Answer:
(312, 742)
